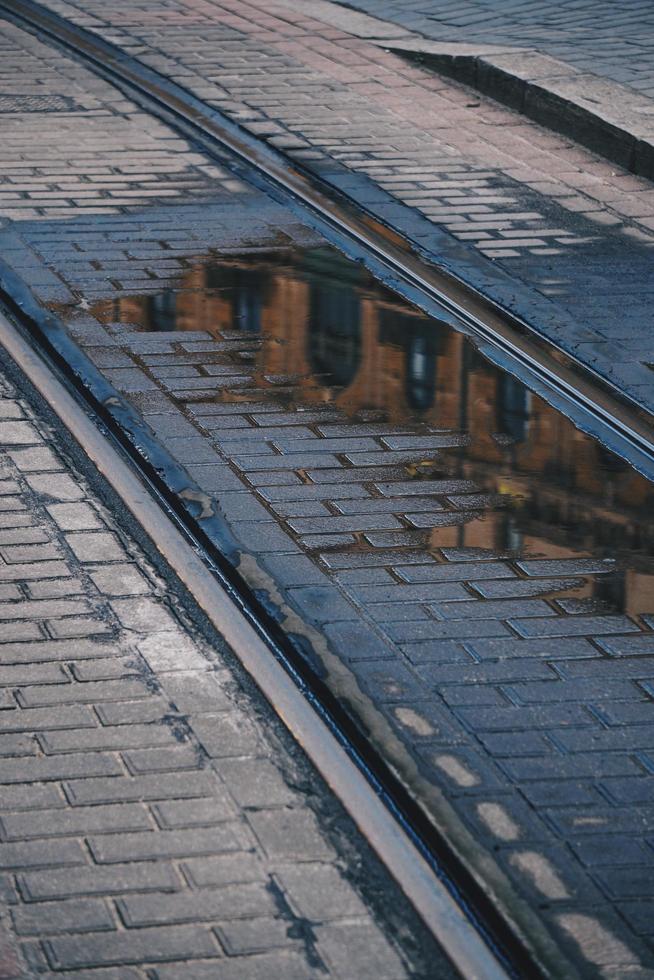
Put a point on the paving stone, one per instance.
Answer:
(289, 834)
(165, 844)
(230, 902)
(173, 942)
(575, 626)
(63, 822)
(93, 546)
(86, 915)
(21, 855)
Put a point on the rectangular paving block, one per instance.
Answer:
(163, 844)
(574, 626)
(42, 886)
(103, 948)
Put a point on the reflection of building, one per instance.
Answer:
(343, 339)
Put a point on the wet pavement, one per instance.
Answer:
(471, 575)
(552, 232)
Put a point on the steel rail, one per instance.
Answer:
(368, 239)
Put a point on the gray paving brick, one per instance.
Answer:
(14, 433)
(283, 963)
(37, 570)
(40, 886)
(575, 690)
(627, 882)
(290, 834)
(176, 785)
(575, 626)
(94, 546)
(628, 646)
(363, 949)
(178, 814)
(454, 629)
(322, 604)
(408, 593)
(82, 820)
(20, 855)
(319, 893)
(422, 487)
(492, 609)
(242, 937)
(255, 782)
(164, 844)
(548, 648)
(53, 650)
(506, 717)
(173, 942)
(35, 719)
(335, 524)
(85, 915)
(566, 566)
(229, 902)
(57, 486)
(518, 588)
(37, 696)
(228, 734)
(225, 869)
(639, 789)
(500, 672)
(72, 766)
(141, 761)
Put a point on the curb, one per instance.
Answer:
(610, 119)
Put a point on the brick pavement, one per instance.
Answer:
(107, 153)
(480, 710)
(546, 228)
(155, 819)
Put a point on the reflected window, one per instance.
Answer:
(420, 341)
(163, 311)
(247, 310)
(246, 290)
(420, 373)
(334, 337)
(513, 407)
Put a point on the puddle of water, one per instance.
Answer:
(311, 331)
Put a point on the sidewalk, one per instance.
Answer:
(471, 575)
(584, 70)
(608, 40)
(155, 817)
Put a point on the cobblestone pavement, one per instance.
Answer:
(506, 681)
(549, 230)
(614, 41)
(155, 819)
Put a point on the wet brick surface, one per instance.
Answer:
(485, 707)
(552, 232)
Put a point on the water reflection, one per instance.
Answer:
(323, 326)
